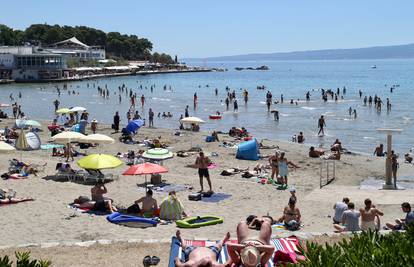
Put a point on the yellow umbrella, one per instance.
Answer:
(99, 161)
(97, 139)
(4, 147)
(67, 137)
(63, 111)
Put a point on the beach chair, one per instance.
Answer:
(286, 250)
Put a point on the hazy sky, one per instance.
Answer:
(197, 28)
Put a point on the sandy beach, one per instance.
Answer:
(49, 219)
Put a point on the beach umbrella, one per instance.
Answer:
(144, 169)
(97, 139)
(20, 123)
(4, 147)
(134, 125)
(50, 146)
(67, 137)
(192, 120)
(21, 142)
(99, 161)
(77, 109)
(157, 154)
(4, 105)
(63, 111)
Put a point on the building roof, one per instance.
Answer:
(72, 40)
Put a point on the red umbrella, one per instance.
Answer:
(144, 169)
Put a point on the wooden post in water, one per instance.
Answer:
(388, 164)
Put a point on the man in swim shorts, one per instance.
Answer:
(251, 251)
(202, 163)
(200, 256)
(368, 215)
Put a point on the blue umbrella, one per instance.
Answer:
(134, 125)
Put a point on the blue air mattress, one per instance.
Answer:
(131, 221)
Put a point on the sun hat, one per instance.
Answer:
(250, 256)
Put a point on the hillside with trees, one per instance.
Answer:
(117, 45)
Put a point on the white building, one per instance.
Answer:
(72, 47)
(29, 63)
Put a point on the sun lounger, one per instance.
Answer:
(286, 250)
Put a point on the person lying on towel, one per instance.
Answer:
(200, 256)
(251, 251)
(9, 197)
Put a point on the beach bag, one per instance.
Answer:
(194, 197)
(209, 139)
(292, 225)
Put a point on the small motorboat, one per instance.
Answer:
(214, 117)
(373, 66)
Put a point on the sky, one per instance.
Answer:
(196, 28)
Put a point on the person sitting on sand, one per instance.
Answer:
(379, 151)
(149, 205)
(368, 215)
(291, 216)
(251, 251)
(339, 208)
(171, 208)
(9, 197)
(336, 145)
(200, 256)
(313, 153)
(336, 153)
(408, 158)
(99, 190)
(350, 220)
(254, 222)
(401, 224)
(215, 136)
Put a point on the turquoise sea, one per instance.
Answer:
(290, 78)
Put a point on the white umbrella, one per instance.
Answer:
(97, 139)
(77, 109)
(67, 137)
(4, 147)
(20, 123)
(194, 120)
(157, 154)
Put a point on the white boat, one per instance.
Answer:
(373, 66)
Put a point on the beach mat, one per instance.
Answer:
(285, 250)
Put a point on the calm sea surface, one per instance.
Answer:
(290, 78)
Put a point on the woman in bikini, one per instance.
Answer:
(273, 160)
(291, 215)
(251, 251)
(283, 165)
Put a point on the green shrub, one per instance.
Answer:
(23, 260)
(365, 249)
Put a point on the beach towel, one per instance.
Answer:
(285, 250)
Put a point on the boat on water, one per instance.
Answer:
(373, 66)
(214, 117)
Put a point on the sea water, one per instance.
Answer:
(290, 78)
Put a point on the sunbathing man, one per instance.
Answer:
(149, 204)
(200, 256)
(202, 163)
(8, 197)
(313, 153)
(101, 205)
(368, 215)
(402, 223)
(254, 222)
(251, 251)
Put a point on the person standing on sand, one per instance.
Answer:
(321, 124)
(151, 118)
(368, 215)
(116, 122)
(227, 103)
(202, 163)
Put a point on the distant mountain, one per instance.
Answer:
(376, 52)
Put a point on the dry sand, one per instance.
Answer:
(48, 218)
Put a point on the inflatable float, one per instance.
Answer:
(131, 221)
(199, 221)
(214, 117)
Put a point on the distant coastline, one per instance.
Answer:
(376, 52)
